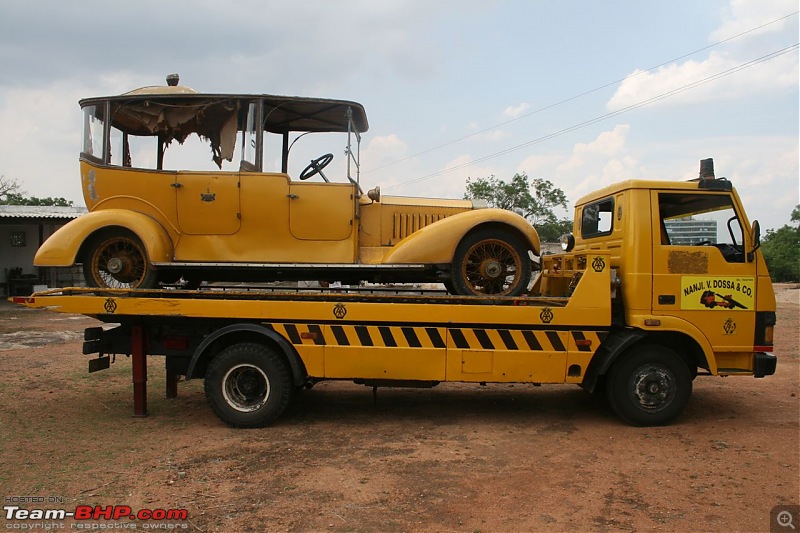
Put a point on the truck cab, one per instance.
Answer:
(688, 267)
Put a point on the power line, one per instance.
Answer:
(574, 127)
(581, 95)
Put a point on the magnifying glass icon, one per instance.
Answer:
(785, 519)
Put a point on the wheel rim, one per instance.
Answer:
(492, 267)
(119, 263)
(245, 388)
(652, 387)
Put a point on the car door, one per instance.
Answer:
(208, 203)
(321, 211)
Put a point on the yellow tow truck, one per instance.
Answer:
(660, 281)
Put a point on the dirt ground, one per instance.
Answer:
(453, 458)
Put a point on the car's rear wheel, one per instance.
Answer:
(491, 263)
(118, 261)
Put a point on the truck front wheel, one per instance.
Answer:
(248, 385)
(649, 385)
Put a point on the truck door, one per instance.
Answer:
(701, 271)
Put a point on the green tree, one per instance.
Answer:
(537, 198)
(11, 193)
(781, 250)
(8, 188)
(18, 199)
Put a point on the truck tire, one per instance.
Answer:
(490, 263)
(248, 385)
(649, 385)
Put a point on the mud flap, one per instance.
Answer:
(101, 363)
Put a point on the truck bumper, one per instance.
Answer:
(764, 364)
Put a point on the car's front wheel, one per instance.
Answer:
(491, 263)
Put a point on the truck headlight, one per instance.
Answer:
(567, 242)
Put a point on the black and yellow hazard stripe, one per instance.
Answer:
(464, 338)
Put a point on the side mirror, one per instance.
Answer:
(755, 233)
(755, 236)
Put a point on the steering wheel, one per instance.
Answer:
(316, 166)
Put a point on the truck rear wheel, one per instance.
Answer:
(248, 385)
(490, 263)
(649, 386)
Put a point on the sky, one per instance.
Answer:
(579, 92)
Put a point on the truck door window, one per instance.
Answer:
(701, 220)
(597, 219)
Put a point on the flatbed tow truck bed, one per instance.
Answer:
(254, 348)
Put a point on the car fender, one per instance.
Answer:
(437, 242)
(63, 247)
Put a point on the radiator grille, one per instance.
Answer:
(404, 224)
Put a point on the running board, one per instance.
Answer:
(346, 273)
(283, 266)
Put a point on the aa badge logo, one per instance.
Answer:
(339, 311)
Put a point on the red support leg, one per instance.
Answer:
(172, 384)
(139, 371)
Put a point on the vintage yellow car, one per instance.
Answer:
(149, 223)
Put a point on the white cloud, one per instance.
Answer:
(744, 15)
(383, 149)
(540, 165)
(765, 78)
(516, 111)
(608, 143)
(587, 166)
(768, 77)
(379, 157)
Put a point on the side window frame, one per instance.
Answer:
(591, 219)
(101, 159)
(731, 252)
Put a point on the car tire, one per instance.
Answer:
(118, 260)
(490, 263)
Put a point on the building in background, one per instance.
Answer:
(690, 231)
(22, 230)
